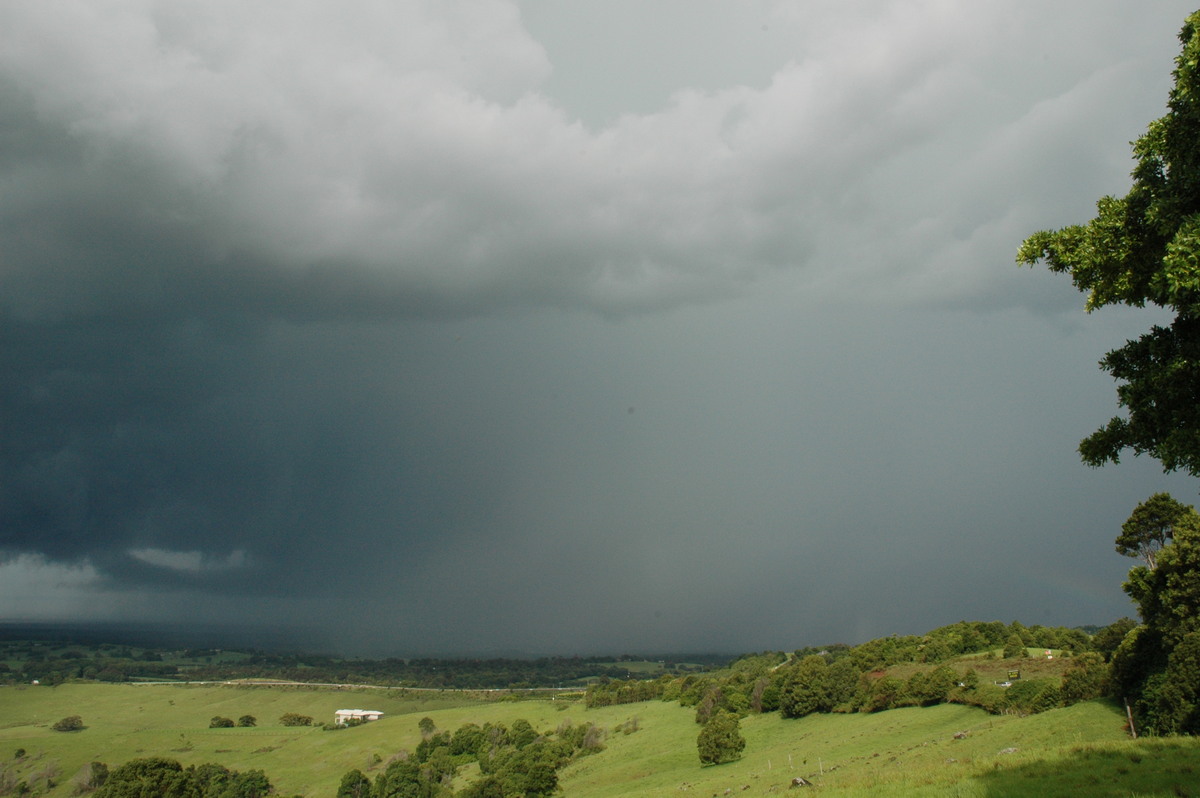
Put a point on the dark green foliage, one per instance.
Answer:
(402, 779)
(1145, 248)
(1157, 665)
(720, 740)
(69, 724)
(1140, 654)
(522, 733)
(1085, 678)
(805, 688)
(926, 688)
(149, 776)
(427, 726)
(355, 784)
(1107, 639)
(428, 745)
(1168, 596)
(609, 693)
(246, 721)
(812, 685)
(468, 739)
(531, 771)
(219, 722)
(848, 679)
(1014, 647)
(1170, 700)
(1029, 696)
(1152, 526)
(440, 767)
(293, 719)
(516, 762)
(714, 700)
(118, 664)
(166, 778)
(885, 693)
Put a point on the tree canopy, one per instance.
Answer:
(1158, 663)
(720, 740)
(1144, 249)
(1152, 525)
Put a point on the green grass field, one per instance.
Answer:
(1080, 750)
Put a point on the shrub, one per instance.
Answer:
(219, 722)
(293, 719)
(1086, 678)
(354, 784)
(1015, 647)
(69, 724)
(720, 740)
(1028, 697)
(246, 721)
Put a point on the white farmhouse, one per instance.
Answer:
(344, 716)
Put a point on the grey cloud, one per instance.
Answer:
(367, 296)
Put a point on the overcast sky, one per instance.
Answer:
(562, 327)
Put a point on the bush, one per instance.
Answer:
(720, 740)
(246, 721)
(1170, 700)
(219, 722)
(1015, 647)
(354, 784)
(69, 724)
(1028, 697)
(293, 719)
(1085, 678)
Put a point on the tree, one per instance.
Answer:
(1152, 526)
(246, 721)
(402, 779)
(805, 688)
(354, 785)
(1107, 639)
(1168, 597)
(468, 739)
(530, 771)
(1145, 248)
(720, 740)
(68, 724)
(166, 778)
(148, 776)
(219, 722)
(1085, 678)
(1157, 665)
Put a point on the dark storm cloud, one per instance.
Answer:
(383, 302)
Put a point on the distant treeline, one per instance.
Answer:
(465, 674)
(48, 664)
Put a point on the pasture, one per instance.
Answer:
(906, 752)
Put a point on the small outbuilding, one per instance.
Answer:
(344, 716)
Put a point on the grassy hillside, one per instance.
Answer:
(1077, 750)
(906, 752)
